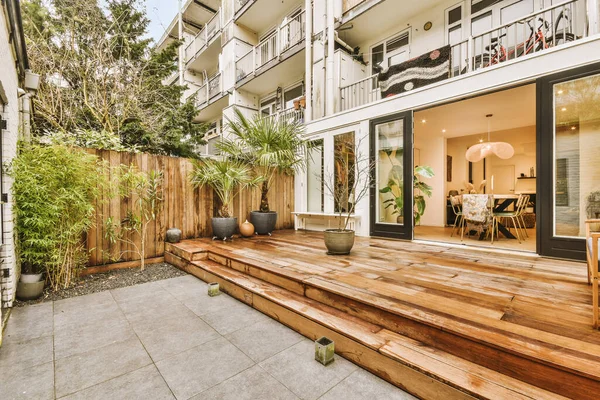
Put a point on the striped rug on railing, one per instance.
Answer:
(417, 72)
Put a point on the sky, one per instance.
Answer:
(160, 13)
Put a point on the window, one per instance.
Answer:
(479, 5)
(344, 171)
(314, 178)
(268, 107)
(291, 94)
(389, 150)
(454, 37)
(391, 52)
(577, 145)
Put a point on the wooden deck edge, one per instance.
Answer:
(120, 265)
(408, 377)
(310, 287)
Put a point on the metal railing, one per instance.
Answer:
(359, 93)
(270, 48)
(290, 115)
(541, 30)
(202, 95)
(210, 29)
(214, 86)
(239, 4)
(292, 32)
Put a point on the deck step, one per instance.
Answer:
(552, 362)
(427, 372)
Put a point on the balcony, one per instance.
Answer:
(210, 98)
(512, 42)
(258, 15)
(291, 115)
(287, 42)
(206, 43)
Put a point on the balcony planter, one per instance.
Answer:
(339, 241)
(302, 102)
(30, 286)
(264, 222)
(223, 228)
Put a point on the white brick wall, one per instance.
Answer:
(10, 112)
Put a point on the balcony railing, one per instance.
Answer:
(211, 88)
(212, 27)
(290, 115)
(238, 4)
(534, 33)
(270, 48)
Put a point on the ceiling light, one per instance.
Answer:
(560, 92)
(480, 140)
(423, 121)
(443, 131)
(573, 128)
(563, 109)
(482, 150)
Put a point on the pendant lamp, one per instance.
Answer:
(480, 151)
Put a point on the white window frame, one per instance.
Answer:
(386, 55)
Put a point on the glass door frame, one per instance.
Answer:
(397, 231)
(547, 243)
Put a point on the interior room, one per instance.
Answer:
(490, 127)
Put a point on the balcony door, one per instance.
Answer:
(568, 166)
(391, 197)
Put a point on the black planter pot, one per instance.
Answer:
(223, 228)
(264, 222)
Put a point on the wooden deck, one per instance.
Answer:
(439, 322)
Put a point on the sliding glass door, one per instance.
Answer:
(569, 169)
(391, 143)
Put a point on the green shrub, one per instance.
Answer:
(54, 190)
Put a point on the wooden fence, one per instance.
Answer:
(183, 207)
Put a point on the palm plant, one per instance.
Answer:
(271, 145)
(226, 176)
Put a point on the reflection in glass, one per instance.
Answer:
(315, 177)
(577, 150)
(345, 162)
(389, 171)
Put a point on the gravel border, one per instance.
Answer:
(109, 280)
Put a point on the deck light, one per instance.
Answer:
(482, 150)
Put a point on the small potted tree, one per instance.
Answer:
(227, 178)
(347, 185)
(272, 146)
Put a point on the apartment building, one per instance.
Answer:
(397, 84)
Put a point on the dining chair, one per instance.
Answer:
(592, 236)
(475, 212)
(512, 215)
(455, 202)
(521, 212)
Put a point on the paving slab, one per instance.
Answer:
(87, 369)
(26, 323)
(202, 367)
(264, 339)
(35, 382)
(297, 369)
(233, 318)
(23, 355)
(141, 384)
(362, 385)
(251, 384)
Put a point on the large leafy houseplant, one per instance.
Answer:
(55, 188)
(270, 145)
(395, 188)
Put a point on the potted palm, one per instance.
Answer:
(227, 178)
(272, 146)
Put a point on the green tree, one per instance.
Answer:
(100, 73)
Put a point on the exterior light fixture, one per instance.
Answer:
(482, 150)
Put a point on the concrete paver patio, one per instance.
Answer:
(164, 340)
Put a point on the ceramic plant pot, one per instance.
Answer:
(223, 228)
(30, 286)
(173, 235)
(339, 242)
(264, 222)
(246, 229)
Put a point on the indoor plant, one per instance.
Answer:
(227, 177)
(395, 189)
(271, 146)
